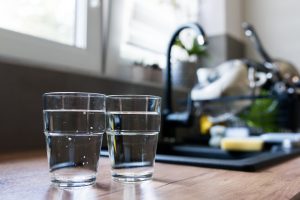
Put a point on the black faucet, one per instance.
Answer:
(172, 119)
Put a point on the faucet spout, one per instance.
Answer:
(171, 119)
(201, 39)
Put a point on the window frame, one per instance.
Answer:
(124, 67)
(118, 67)
(39, 52)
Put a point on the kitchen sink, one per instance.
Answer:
(217, 158)
(204, 156)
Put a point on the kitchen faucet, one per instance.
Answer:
(175, 119)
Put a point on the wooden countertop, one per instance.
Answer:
(25, 176)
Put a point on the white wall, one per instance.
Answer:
(234, 18)
(220, 17)
(278, 25)
(212, 16)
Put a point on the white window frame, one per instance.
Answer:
(116, 65)
(34, 51)
(122, 67)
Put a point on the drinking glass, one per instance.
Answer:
(133, 125)
(74, 123)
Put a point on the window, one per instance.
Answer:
(58, 34)
(45, 19)
(148, 26)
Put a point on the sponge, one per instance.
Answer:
(242, 144)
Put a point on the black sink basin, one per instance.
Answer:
(204, 152)
(217, 158)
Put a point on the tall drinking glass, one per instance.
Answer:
(74, 124)
(133, 124)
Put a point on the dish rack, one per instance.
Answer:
(260, 113)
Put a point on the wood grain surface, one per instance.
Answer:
(25, 176)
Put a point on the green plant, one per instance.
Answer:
(262, 114)
(195, 50)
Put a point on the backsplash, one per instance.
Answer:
(22, 87)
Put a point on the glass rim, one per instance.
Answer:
(132, 96)
(75, 94)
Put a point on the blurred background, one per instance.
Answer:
(119, 47)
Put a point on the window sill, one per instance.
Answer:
(145, 77)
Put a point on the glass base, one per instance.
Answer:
(131, 179)
(70, 183)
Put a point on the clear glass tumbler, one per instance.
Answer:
(74, 124)
(133, 124)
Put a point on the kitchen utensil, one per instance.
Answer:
(233, 78)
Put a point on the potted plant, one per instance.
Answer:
(188, 56)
